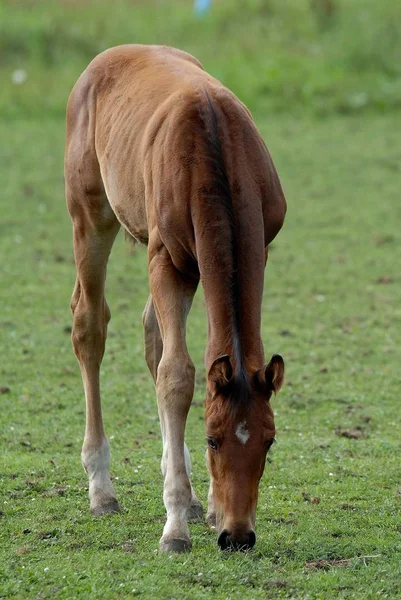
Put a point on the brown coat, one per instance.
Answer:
(157, 145)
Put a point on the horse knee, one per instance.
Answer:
(175, 374)
(175, 381)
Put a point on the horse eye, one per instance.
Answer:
(211, 443)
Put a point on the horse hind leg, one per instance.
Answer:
(153, 338)
(94, 230)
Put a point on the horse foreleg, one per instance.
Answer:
(153, 354)
(172, 297)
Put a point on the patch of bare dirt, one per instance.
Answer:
(353, 433)
(325, 565)
(128, 546)
(276, 584)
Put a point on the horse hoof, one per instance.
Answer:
(211, 520)
(175, 546)
(109, 507)
(195, 512)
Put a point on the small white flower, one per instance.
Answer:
(19, 76)
(331, 474)
(46, 569)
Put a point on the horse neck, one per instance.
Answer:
(243, 345)
(233, 311)
(227, 219)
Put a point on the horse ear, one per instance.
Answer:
(220, 373)
(271, 376)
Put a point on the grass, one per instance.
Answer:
(280, 56)
(332, 309)
(328, 523)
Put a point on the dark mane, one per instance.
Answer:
(239, 388)
(239, 393)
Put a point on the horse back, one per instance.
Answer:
(162, 130)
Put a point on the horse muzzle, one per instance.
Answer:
(231, 540)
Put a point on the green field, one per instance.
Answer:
(329, 515)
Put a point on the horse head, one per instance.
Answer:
(240, 431)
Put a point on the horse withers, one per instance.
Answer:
(157, 145)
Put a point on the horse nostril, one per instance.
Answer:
(228, 541)
(251, 539)
(224, 540)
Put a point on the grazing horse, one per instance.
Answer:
(157, 145)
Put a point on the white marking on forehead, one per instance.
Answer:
(242, 433)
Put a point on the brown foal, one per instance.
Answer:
(157, 145)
